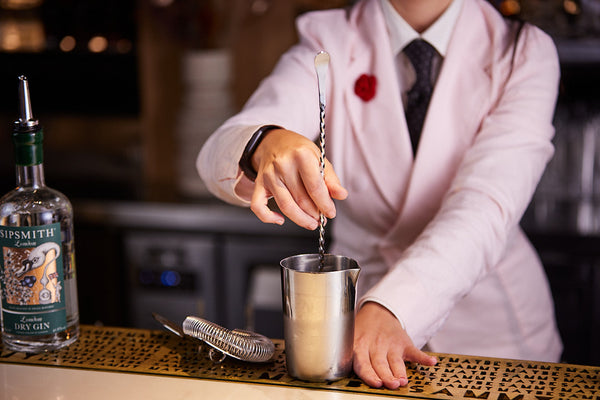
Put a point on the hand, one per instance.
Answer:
(381, 346)
(289, 169)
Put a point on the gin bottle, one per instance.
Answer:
(39, 309)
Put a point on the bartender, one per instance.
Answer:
(439, 127)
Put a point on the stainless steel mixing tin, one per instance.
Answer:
(318, 315)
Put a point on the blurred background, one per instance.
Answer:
(128, 91)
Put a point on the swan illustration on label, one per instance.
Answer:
(32, 273)
(43, 255)
(35, 275)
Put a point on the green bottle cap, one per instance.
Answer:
(28, 147)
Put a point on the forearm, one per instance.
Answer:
(218, 166)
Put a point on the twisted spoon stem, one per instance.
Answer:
(321, 65)
(322, 218)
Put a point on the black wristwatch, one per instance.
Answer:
(246, 160)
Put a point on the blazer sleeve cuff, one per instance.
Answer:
(383, 303)
(402, 294)
(218, 165)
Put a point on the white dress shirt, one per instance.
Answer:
(401, 34)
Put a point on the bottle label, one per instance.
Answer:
(31, 275)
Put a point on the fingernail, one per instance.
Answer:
(403, 381)
(394, 384)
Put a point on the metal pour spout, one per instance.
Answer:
(26, 120)
(353, 274)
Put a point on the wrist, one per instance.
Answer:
(245, 162)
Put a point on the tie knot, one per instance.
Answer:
(420, 53)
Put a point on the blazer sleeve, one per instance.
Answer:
(489, 194)
(288, 97)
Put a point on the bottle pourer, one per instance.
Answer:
(26, 121)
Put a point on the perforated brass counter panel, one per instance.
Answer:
(458, 377)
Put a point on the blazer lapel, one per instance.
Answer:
(378, 125)
(461, 96)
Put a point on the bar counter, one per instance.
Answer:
(122, 363)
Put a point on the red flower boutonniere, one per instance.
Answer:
(365, 87)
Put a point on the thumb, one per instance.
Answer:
(336, 190)
(415, 355)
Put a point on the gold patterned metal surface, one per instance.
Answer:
(454, 377)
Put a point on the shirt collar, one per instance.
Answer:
(438, 34)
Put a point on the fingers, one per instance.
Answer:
(392, 375)
(377, 360)
(364, 369)
(287, 204)
(415, 355)
(387, 367)
(381, 348)
(299, 191)
(380, 367)
(397, 367)
(288, 169)
(291, 196)
(259, 206)
(336, 190)
(314, 185)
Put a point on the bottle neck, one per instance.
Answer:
(30, 176)
(29, 157)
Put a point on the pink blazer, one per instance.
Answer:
(436, 235)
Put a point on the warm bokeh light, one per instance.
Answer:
(571, 7)
(163, 3)
(510, 7)
(67, 43)
(22, 35)
(98, 44)
(20, 4)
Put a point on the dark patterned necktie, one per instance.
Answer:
(421, 55)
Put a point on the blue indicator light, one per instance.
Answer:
(170, 278)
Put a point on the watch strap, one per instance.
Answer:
(246, 159)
